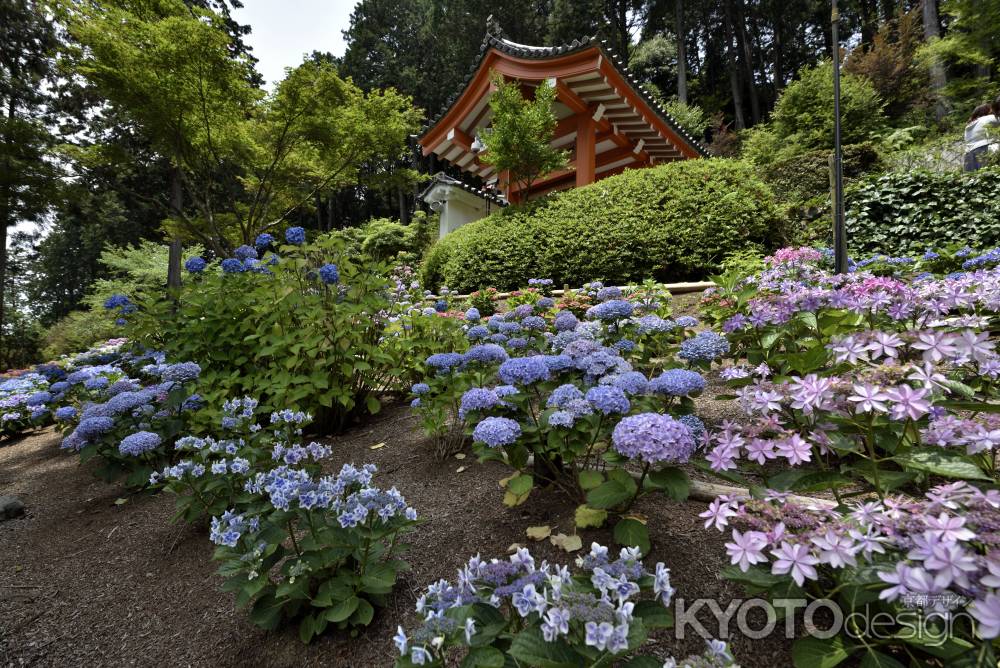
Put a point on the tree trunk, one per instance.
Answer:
(746, 57)
(404, 219)
(779, 79)
(932, 29)
(682, 87)
(734, 77)
(176, 249)
(869, 21)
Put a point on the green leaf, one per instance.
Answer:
(342, 610)
(938, 461)
(654, 614)
(873, 659)
(518, 489)
(364, 614)
(483, 657)
(811, 652)
(590, 479)
(529, 648)
(630, 532)
(307, 628)
(266, 612)
(587, 517)
(608, 495)
(673, 481)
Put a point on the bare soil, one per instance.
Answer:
(93, 577)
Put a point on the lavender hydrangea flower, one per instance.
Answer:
(139, 443)
(497, 431)
(677, 383)
(445, 362)
(477, 399)
(565, 321)
(653, 438)
(486, 353)
(704, 346)
(608, 399)
(615, 309)
(524, 370)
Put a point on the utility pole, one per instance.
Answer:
(839, 233)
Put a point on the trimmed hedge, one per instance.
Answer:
(806, 177)
(909, 213)
(672, 222)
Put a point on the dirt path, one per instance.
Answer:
(86, 581)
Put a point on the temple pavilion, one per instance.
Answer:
(607, 121)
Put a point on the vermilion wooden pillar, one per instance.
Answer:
(585, 157)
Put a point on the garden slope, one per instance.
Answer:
(670, 222)
(84, 581)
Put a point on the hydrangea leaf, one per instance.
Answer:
(530, 648)
(608, 495)
(342, 610)
(483, 657)
(942, 462)
(673, 481)
(812, 652)
(590, 479)
(587, 517)
(568, 543)
(630, 532)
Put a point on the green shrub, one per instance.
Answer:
(671, 222)
(295, 332)
(802, 119)
(386, 239)
(77, 331)
(798, 179)
(909, 213)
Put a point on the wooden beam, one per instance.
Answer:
(459, 138)
(566, 95)
(585, 146)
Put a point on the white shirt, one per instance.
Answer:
(975, 132)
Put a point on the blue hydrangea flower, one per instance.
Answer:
(116, 301)
(524, 370)
(562, 419)
(563, 394)
(441, 306)
(704, 346)
(477, 333)
(654, 323)
(96, 383)
(545, 303)
(65, 413)
(38, 399)
(91, 428)
(195, 264)
(517, 343)
(608, 293)
(631, 382)
(245, 252)
(535, 322)
(486, 353)
(472, 315)
(653, 438)
(614, 309)
(445, 362)
(329, 274)
(558, 363)
(624, 345)
(420, 388)
(232, 266)
(677, 383)
(497, 431)
(295, 235)
(263, 241)
(565, 321)
(181, 373)
(686, 321)
(608, 399)
(478, 399)
(509, 328)
(695, 424)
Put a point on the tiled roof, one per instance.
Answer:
(442, 178)
(542, 52)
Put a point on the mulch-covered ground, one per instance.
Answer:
(91, 577)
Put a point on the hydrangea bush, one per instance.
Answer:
(926, 567)
(519, 612)
(570, 402)
(304, 325)
(318, 550)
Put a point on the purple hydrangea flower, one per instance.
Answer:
(654, 438)
(677, 383)
(497, 431)
(524, 370)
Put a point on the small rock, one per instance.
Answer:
(10, 507)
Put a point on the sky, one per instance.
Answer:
(285, 30)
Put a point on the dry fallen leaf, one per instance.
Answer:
(459, 469)
(460, 455)
(514, 548)
(638, 517)
(376, 446)
(539, 532)
(568, 543)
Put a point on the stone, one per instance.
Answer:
(10, 507)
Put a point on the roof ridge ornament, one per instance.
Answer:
(493, 27)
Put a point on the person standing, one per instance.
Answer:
(977, 138)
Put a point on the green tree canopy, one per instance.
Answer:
(521, 132)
